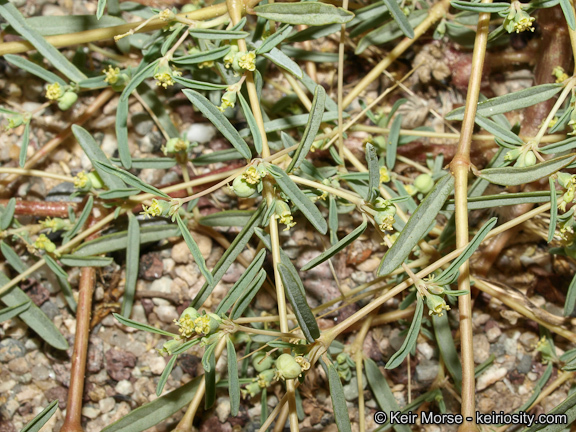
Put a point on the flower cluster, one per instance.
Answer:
(176, 145)
(85, 182)
(240, 61)
(250, 182)
(385, 212)
(343, 365)
(568, 182)
(560, 74)
(191, 322)
(524, 156)
(164, 74)
(55, 224)
(162, 208)
(282, 211)
(44, 243)
(66, 98)
(115, 78)
(516, 19)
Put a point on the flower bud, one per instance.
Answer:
(436, 304)
(252, 389)
(262, 362)
(530, 159)
(67, 100)
(287, 367)
(95, 180)
(424, 183)
(176, 145)
(170, 346)
(266, 377)
(189, 312)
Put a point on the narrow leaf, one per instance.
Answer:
(447, 348)
(8, 215)
(295, 292)
(511, 176)
(411, 337)
(254, 129)
(85, 261)
(417, 225)
(501, 200)
(304, 204)
(393, 138)
(81, 220)
(139, 326)
(34, 69)
(332, 220)
(570, 302)
(132, 265)
(280, 59)
(274, 40)
(308, 13)
(119, 193)
(62, 277)
(165, 374)
(145, 72)
(447, 274)
(553, 209)
(58, 60)
(497, 130)
(131, 179)
(480, 7)
(311, 130)
(217, 118)
(566, 407)
(400, 18)
(233, 383)
(11, 312)
(242, 283)
(201, 57)
(148, 415)
(248, 295)
(373, 173)
(336, 248)
(209, 365)
(100, 8)
(95, 154)
(512, 101)
(559, 147)
(194, 250)
(568, 11)
(122, 133)
(213, 34)
(40, 420)
(227, 218)
(24, 145)
(341, 416)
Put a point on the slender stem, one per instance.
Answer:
(569, 86)
(268, 332)
(341, 86)
(72, 422)
(460, 166)
(352, 197)
(36, 173)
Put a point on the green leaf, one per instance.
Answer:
(95, 154)
(411, 337)
(11, 312)
(336, 247)
(119, 241)
(121, 127)
(229, 256)
(373, 173)
(338, 399)
(417, 226)
(213, 34)
(209, 365)
(568, 11)
(217, 156)
(16, 20)
(291, 122)
(118, 193)
(566, 407)
(381, 391)
(100, 8)
(509, 102)
(62, 277)
(33, 317)
(152, 162)
(311, 130)
(47, 25)
(222, 123)
(511, 176)
(132, 265)
(315, 32)
(242, 283)
(144, 327)
(145, 72)
(280, 59)
(501, 200)
(274, 40)
(165, 374)
(194, 250)
(199, 85)
(81, 220)
(392, 145)
(553, 209)
(400, 18)
(332, 221)
(295, 292)
(34, 69)
(201, 57)
(40, 420)
(313, 56)
(8, 215)
(24, 145)
(227, 218)
(559, 147)
(497, 130)
(158, 107)
(131, 179)
(148, 415)
(452, 269)
(480, 7)
(254, 129)
(570, 302)
(445, 343)
(85, 261)
(233, 383)
(248, 295)
(307, 13)
(304, 204)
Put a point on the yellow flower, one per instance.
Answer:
(187, 327)
(206, 64)
(152, 211)
(524, 24)
(43, 242)
(283, 213)
(436, 304)
(386, 223)
(54, 91)
(165, 75)
(251, 176)
(248, 61)
(561, 76)
(166, 15)
(384, 175)
(303, 362)
(81, 180)
(112, 75)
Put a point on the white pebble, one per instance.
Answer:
(201, 132)
(124, 387)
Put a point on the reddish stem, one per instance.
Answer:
(41, 208)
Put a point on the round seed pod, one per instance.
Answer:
(287, 367)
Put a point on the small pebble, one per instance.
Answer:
(90, 412)
(490, 376)
(124, 387)
(11, 349)
(427, 371)
(481, 348)
(166, 313)
(106, 404)
(201, 132)
(222, 408)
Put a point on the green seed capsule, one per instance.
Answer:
(262, 362)
(287, 367)
(67, 100)
(242, 188)
(530, 159)
(424, 183)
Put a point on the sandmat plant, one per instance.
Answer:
(290, 163)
